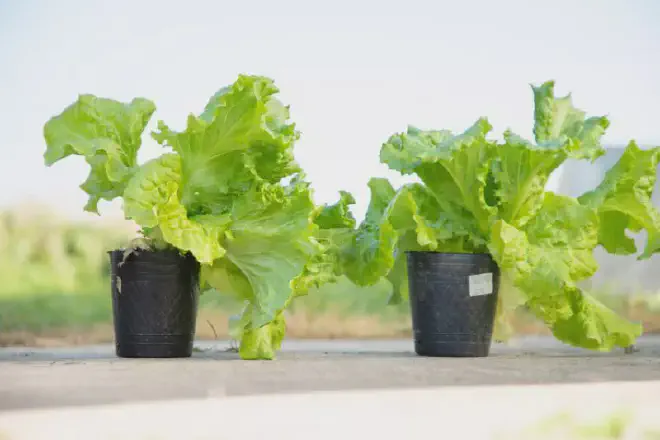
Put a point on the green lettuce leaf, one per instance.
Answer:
(396, 222)
(455, 170)
(398, 278)
(556, 119)
(258, 342)
(269, 267)
(271, 244)
(241, 139)
(547, 259)
(370, 255)
(334, 232)
(226, 278)
(568, 230)
(107, 133)
(509, 299)
(269, 247)
(521, 169)
(338, 215)
(151, 200)
(263, 342)
(623, 202)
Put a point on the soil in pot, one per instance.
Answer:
(453, 299)
(155, 297)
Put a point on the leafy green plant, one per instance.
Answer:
(229, 192)
(478, 195)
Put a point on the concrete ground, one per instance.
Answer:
(61, 387)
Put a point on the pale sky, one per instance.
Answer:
(354, 72)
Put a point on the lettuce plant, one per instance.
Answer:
(482, 196)
(229, 192)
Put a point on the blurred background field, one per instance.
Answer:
(55, 288)
(55, 291)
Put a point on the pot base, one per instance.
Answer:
(155, 346)
(451, 349)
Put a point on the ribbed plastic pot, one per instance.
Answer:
(453, 299)
(155, 298)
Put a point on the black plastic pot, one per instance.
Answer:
(155, 297)
(453, 298)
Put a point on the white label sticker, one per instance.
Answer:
(481, 284)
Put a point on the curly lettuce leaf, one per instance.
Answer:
(455, 169)
(255, 342)
(396, 222)
(398, 278)
(569, 230)
(334, 232)
(258, 342)
(271, 244)
(370, 255)
(107, 133)
(556, 119)
(151, 200)
(337, 215)
(293, 232)
(560, 227)
(241, 139)
(226, 278)
(623, 202)
(263, 342)
(521, 171)
(547, 259)
(270, 247)
(268, 267)
(509, 299)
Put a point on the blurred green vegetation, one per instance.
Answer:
(54, 275)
